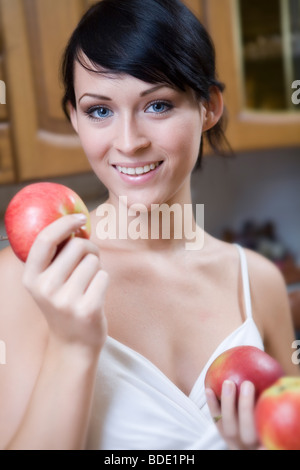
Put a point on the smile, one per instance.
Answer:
(140, 170)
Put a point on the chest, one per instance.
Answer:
(171, 314)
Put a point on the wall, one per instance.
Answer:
(260, 186)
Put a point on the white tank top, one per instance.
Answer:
(136, 407)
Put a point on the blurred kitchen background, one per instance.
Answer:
(252, 198)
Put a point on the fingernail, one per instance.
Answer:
(247, 388)
(81, 218)
(209, 394)
(227, 388)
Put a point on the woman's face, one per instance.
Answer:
(142, 140)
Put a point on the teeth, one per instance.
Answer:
(137, 171)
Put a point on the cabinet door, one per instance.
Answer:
(249, 128)
(196, 6)
(35, 33)
(6, 159)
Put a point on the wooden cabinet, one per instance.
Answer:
(247, 129)
(33, 126)
(6, 159)
(197, 7)
(36, 140)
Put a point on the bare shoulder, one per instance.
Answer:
(10, 266)
(19, 315)
(270, 302)
(264, 271)
(11, 288)
(268, 288)
(14, 297)
(271, 309)
(23, 336)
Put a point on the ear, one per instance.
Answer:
(213, 108)
(73, 116)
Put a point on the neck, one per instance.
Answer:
(169, 226)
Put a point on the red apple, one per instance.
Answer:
(240, 364)
(36, 206)
(277, 415)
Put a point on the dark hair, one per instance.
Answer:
(157, 41)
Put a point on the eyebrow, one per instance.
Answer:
(92, 95)
(152, 90)
(106, 98)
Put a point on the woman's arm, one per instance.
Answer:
(69, 290)
(58, 412)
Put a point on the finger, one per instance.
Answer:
(91, 308)
(72, 254)
(45, 245)
(246, 414)
(213, 405)
(95, 293)
(82, 276)
(228, 409)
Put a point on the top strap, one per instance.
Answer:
(246, 283)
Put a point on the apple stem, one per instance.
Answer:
(2, 239)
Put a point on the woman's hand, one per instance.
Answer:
(69, 288)
(235, 421)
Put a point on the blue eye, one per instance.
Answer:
(159, 107)
(99, 112)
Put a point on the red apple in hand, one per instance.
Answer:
(36, 206)
(243, 363)
(277, 415)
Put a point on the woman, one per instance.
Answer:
(109, 341)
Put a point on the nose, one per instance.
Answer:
(130, 136)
